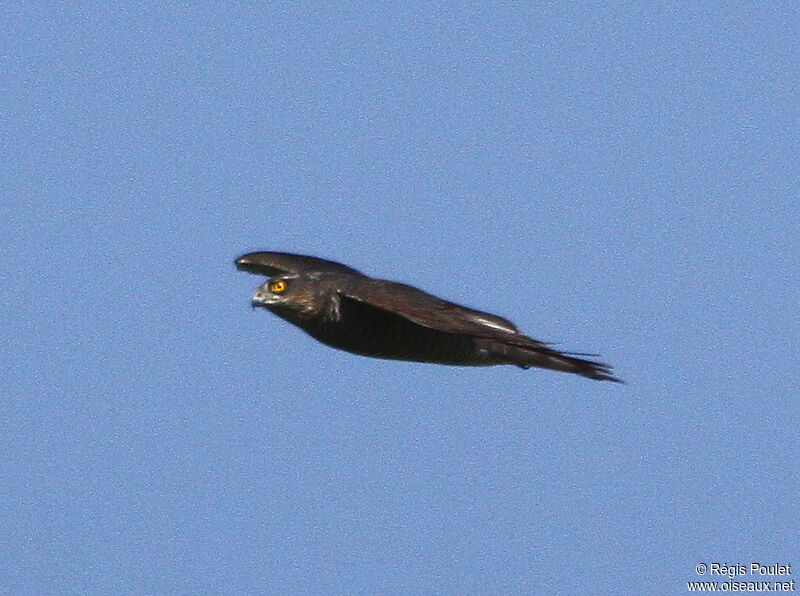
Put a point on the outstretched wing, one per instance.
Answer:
(432, 312)
(275, 263)
(436, 323)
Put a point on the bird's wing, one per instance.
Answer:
(274, 263)
(432, 312)
(391, 298)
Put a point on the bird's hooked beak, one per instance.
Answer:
(262, 298)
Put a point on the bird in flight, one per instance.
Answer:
(345, 309)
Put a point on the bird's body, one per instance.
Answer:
(360, 328)
(345, 309)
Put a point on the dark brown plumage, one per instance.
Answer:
(346, 309)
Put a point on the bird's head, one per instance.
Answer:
(290, 295)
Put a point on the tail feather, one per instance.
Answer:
(543, 357)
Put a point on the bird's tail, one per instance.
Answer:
(544, 357)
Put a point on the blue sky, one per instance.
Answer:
(614, 177)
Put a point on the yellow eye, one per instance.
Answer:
(276, 287)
